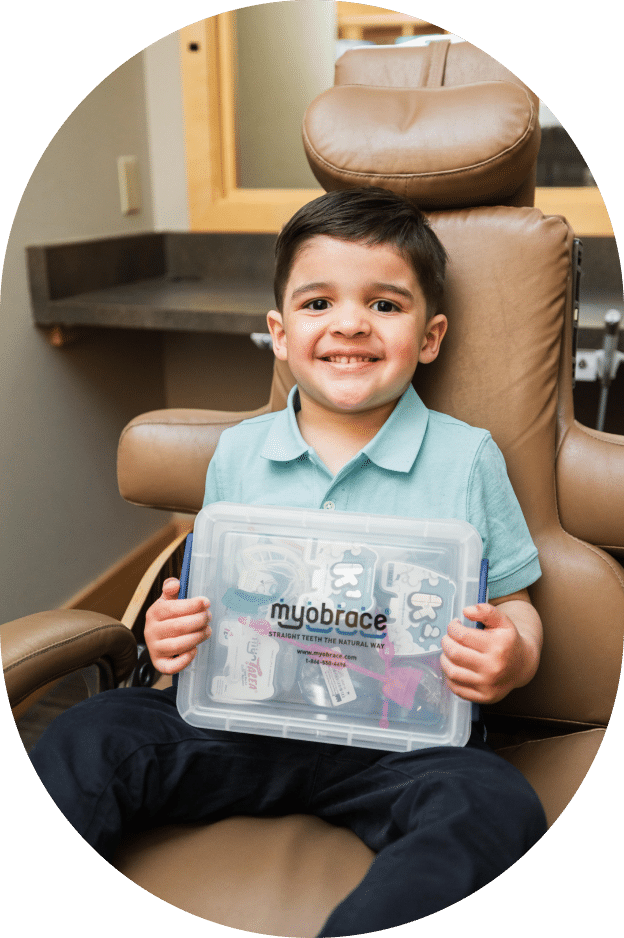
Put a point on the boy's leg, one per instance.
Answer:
(125, 760)
(444, 822)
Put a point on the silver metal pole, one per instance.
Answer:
(609, 349)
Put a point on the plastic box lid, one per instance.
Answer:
(326, 625)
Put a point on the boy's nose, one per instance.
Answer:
(350, 321)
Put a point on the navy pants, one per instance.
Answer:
(443, 822)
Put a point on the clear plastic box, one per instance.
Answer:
(326, 625)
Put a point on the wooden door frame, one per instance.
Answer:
(216, 203)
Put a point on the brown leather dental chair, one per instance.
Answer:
(453, 130)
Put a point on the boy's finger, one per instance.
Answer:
(460, 654)
(182, 625)
(169, 648)
(485, 613)
(467, 637)
(460, 680)
(174, 665)
(177, 608)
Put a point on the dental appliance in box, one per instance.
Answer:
(327, 625)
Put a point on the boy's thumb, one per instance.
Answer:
(171, 588)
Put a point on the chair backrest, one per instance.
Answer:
(450, 128)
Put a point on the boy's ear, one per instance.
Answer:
(435, 331)
(275, 323)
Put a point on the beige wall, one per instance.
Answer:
(61, 410)
(165, 132)
(285, 54)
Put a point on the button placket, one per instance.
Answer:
(341, 483)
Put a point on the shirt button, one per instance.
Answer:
(329, 505)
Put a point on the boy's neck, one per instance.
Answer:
(337, 437)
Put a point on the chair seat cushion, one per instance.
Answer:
(276, 876)
(556, 766)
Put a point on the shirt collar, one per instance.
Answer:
(394, 447)
(398, 443)
(284, 441)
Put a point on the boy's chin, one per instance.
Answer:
(355, 405)
(348, 397)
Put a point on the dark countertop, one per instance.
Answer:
(194, 305)
(186, 282)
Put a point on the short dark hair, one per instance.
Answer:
(374, 216)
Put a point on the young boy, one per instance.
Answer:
(359, 277)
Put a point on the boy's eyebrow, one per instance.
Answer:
(310, 287)
(375, 287)
(393, 288)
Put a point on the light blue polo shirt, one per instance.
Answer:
(421, 464)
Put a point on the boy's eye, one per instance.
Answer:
(385, 306)
(317, 305)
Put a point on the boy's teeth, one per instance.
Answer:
(349, 359)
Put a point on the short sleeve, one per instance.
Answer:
(494, 511)
(212, 491)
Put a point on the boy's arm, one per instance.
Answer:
(175, 627)
(483, 665)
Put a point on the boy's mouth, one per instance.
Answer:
(348, 359)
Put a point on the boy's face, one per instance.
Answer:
(353, 325)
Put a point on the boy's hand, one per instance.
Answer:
(175, 627)
(483, 665)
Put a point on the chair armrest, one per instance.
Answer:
(46, 646)
(590, 486)
(163, 456)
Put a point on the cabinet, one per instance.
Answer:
(376, 24)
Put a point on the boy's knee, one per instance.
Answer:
(71, 736)
(473, 786)
(508, 797)
(91, 731)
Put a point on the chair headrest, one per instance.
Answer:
(443, 137)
